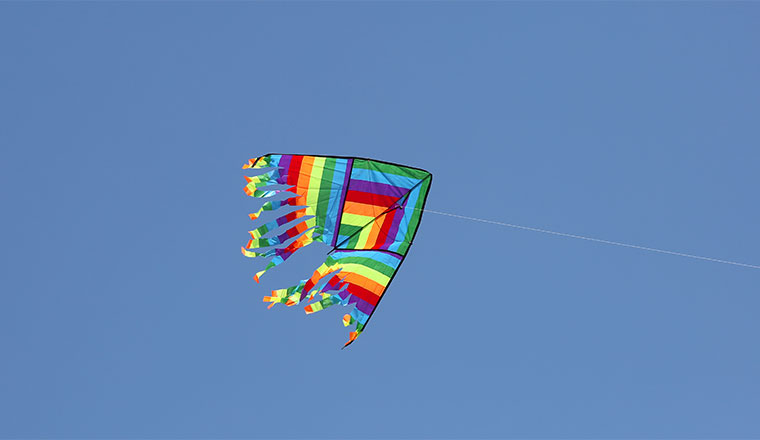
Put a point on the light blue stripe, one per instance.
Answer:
(333, 208)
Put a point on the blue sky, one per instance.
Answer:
(127, 309)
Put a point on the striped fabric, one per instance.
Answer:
(367, 210)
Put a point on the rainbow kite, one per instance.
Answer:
(367, 210)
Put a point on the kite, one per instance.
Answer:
(367, 210)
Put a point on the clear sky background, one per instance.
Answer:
(127, 309)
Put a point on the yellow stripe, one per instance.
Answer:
(364, 237)
(367, 272)
(354, 219)
(317, 169)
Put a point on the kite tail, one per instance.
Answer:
(304, 232)
(281, 255)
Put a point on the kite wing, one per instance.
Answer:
(367, 210)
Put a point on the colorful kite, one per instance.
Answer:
(368, 211)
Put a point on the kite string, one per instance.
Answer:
(596, 240)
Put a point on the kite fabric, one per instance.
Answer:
(367, 210)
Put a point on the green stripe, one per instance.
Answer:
(369, 262)
(347, 230)
(353, 242)
(391, 169)
(325, 190)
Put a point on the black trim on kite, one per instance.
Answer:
(346, 157)
(386, 251)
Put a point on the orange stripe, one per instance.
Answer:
(376, 226)
(371, 285)
(362, 209)
(304, 175)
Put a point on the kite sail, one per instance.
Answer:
(367, 210)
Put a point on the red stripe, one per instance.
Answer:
(291, 248)
(307, 287)
(294, 215)
(362, 293)
(370, 198)
(382, 237)
(292, 232)
(294, 170)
